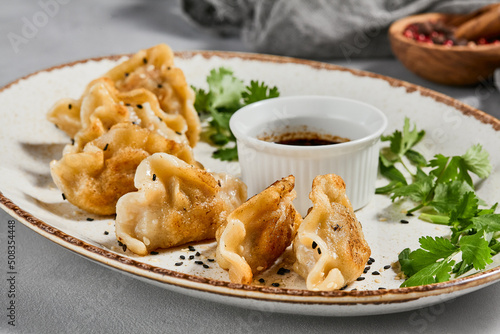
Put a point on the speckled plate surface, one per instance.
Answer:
(28, 142)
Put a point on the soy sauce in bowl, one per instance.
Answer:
(305, 139)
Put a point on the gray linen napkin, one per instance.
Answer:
(314, 28)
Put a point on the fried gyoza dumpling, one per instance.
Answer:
(258, 232)
(65, 114)
(330, 247)
(95, 178)
(103, 106)
(154, 70)
(176, 204)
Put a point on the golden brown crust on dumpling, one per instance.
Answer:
(258, 232)
(65, 114)
(176, 203)
(154, 70)
(330, 247)
(97, 177)
(333, 187)
(102, 106)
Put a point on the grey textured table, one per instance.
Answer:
(60, 292)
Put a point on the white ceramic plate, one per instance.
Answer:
(28, 142)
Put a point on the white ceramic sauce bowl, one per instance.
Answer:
(263, 162)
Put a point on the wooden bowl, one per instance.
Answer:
(449, 65)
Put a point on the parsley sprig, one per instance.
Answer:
(446, 193)
(226, 94)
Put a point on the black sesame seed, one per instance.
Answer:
(369, 262)
(106, 232)
(206, 266)
(261, 280)
(319, 250)
(210, 260)
(387, 266)
(179, 263)
(160, 86)
(191, 248)
(409, 214)
(120, 243)
(336, 227)
(124, 247)
(72, 141)
(360, 278)
(168, 68)
(314, 245)
(154, 177)
(139, 106)
(197, 254)
(198, 262)
(63, 196)
(144, 60)
(375, 273)
(381, 288)
(404, 221)
(275, 285)
(191, 257)
(90, 219)
(154, 253)
(372, 259)
(219, 183)
(283, 271)
(179, 133)
(70, 106)
(57, 126)
(127, 104)
(366, 270)
(161, 119)
(105, 147)
(126, 74)
(354, 290)
(343, 288)
(182, 257)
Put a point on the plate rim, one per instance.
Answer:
(263, 293)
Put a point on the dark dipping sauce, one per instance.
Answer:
(304, 138)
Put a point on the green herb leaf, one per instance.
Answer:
(226, 154)
(475, 250)
(466, 208)
(225, 95)
(432, 250)
(418, 191)
(447, 195)
(202, 101)
(225, 89)
(487, 222)
(434, 273)
(461, 268)
(257, 92)
(416, 158)
(391, 172)
(476, 159)
(435, 219)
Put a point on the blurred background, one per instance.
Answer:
(41, 34)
